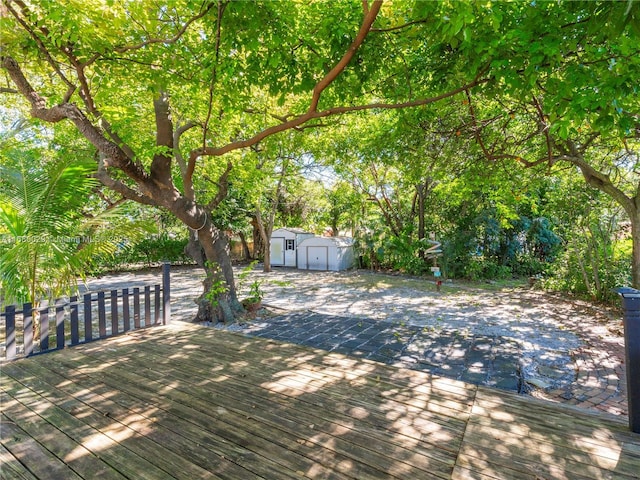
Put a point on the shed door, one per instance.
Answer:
(290, 259)
(318, 258)
(277, 251)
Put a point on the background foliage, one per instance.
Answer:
(519, 150)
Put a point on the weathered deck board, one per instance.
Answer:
(190, 402)
(507, 431)
(278, 418)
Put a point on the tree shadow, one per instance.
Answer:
(190, 402)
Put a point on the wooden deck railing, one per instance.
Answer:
(26, 330)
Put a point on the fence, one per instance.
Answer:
(29, 331)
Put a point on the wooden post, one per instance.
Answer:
(60, 340)
(75, 324)
(44, 326)
(114, 312)
(631, 321)
(10, 320)
(147, 306)
(88, 333)
(156, 304)
(27, 316)
(166, 293)
(125, 310)
(136, 307)
(102, 317)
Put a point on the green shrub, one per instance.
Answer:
(150, 251)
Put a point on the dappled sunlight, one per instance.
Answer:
(565, 445)
(107, 438)
(240, 364)
(88, 370)
(561, 344)
(604, 456)
(494, 414)
(358, 413)
(302, 381)
(198, 403)
(419, 420)
(168, 387)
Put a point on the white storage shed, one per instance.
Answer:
(326, 253)
(284, 246)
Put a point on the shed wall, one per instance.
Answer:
(284, 246)
(320, 253)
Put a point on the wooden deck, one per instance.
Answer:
(189, 402)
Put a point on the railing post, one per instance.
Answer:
(136, 308)
(156, 304)
(166, 293)
(60, 340)
(43, 311)
(102, 316)
(631, 306)
(88, 327)
(10, 318)
(27, 317)
(75, 322)
(114, 312)
(126, 322)
(147, 305)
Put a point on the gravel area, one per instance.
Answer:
(569, 350)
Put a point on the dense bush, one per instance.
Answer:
(388, 252)
(478, 248)
(147, 252)
(590, 275)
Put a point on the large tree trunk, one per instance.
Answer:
(267, 260)
(265, 235)
(246, 251)
(209, 247)
(219, 302)
(195, 250)
(258, 243)
(420, 192)
(635, 255)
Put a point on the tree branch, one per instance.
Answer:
(38, 104)
(223, 189)
(173, 39)
(38, 40)
(161, 163)
(602, 182)
(117, 186)
(214, 74)
(369, 18)
(476, 129)
(115, 156)
(182, 163)
(365, 7)
(400, 27)
(302, 119)
(111, 204)
(85, 92)
(544, 128)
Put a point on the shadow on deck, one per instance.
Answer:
(189, 402)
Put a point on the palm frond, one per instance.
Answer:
(55, 243)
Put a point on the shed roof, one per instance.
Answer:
(292, 230)
(327, 241)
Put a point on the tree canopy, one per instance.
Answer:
(173, 95)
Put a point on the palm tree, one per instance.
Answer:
(47, 240)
